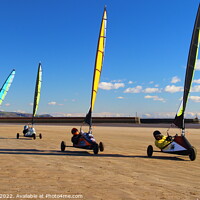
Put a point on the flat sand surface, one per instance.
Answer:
(123, 171)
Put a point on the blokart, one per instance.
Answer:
(179, 145)
(84, 142)
(30, 132)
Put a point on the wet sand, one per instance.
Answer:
(122, 171)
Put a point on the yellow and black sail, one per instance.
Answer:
(37, 91)
(98, 66)
(192, 57)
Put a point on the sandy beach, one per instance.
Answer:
(37, 169)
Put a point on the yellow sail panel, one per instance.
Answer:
(98, 66)
(37, 90)
(99, 59)
(180, 110)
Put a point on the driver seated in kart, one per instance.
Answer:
(161, 141)
(26, 129)
(81, 139)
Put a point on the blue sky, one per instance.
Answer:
(145, 57)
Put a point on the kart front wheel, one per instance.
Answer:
(192, 153)
(101, 146)
(96, 149)
(17, 135)
(34, 136)
(62, 146)
(149, 151)
(40, 136)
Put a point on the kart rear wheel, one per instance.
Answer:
(34, 136)
(62, 146)
(96, 149)
(40, 136)
(17, 135)
(149, 151)
(101, 146)
(192, 153)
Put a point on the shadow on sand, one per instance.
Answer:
(25, 138)
(81, 153)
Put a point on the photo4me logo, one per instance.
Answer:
(63, 196)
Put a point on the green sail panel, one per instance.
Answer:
(98, 66)
(192, 57)
(6, 86)
(37, 90)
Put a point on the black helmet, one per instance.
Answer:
(155, 133)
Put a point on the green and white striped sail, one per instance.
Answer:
(191, 63)
(6, 86)
(37, 91)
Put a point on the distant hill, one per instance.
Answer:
(17, 114)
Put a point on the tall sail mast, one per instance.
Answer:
(6, 86)
(37, 91)
(192, 57)
(98, 66)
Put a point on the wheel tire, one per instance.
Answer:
(62, 146)
(17, 135)
(40, 136)
(34, 136)
(192, 153)
(96, 149)
(101, 146)
(149, 151)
